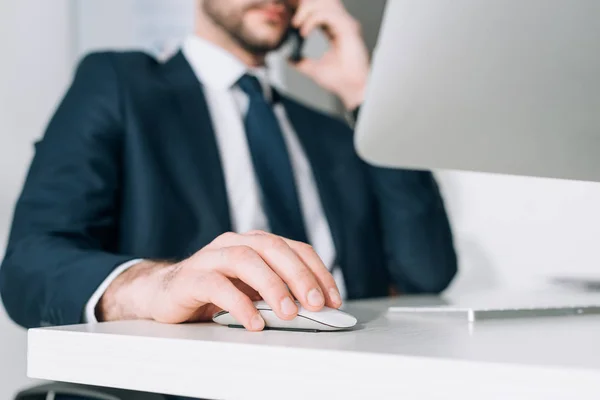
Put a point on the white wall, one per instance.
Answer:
(33, 74)
(152, 25)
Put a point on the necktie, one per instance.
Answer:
(272, 164)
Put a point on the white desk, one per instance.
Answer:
(388, 356)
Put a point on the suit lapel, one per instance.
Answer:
(307, 131)
(197, 144)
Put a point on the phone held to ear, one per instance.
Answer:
(297, 45)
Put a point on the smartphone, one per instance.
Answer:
(297, 45)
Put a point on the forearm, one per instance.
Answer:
(129, 296)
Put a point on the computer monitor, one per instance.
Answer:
(498, 86)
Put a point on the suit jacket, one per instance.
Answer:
(129, 168)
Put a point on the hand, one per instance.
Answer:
(344, 69)
(229, 274)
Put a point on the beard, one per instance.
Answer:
(232, 21)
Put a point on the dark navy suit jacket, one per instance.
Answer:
(129, 168)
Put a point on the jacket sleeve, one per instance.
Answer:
(63, 237)
(417, 236)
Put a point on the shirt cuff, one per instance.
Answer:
(89, 315)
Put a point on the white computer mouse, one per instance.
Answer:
(328, 319)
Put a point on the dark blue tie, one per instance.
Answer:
(272, 164)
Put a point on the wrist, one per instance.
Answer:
(352, 93)
(352, 99)
(130, 295)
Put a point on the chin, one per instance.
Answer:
(264, 41)
(272, 43)
(267, 33)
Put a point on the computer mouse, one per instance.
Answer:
(328, 319)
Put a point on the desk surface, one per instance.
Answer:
(388, 355)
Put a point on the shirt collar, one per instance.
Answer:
(218, 69)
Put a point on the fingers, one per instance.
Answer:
(283, 261)
(286, 264)
(306, 7)
(326, 281)
(223, 293)
(331, 15)
(270, 265)
(247, 290)
(246, 264)
(329, 21)
(235, 270)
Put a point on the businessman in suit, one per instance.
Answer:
(170, 190)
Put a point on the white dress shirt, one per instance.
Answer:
(219, 71)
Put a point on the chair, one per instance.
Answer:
(54, 391)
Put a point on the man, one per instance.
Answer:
(147, 168)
